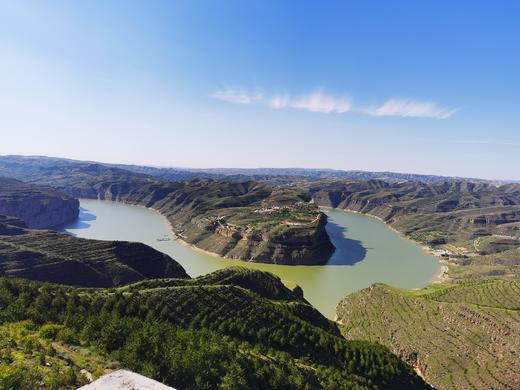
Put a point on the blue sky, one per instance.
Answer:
(407, 86)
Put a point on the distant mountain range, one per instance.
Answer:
(287, 174)
(280, 175)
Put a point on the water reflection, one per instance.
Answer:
(85, 215)
(80, 223)
(348, 251)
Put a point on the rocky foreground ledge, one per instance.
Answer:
(125, 380)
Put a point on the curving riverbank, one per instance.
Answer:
(367, 251)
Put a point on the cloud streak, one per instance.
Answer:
(240, 96)
(409, 109)
(321, 102)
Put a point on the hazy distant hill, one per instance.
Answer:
(285, 174)
(313, 174)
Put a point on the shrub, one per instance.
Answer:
(68, 336)
(50, 331)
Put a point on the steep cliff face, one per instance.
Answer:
(39, 207)
(304, 244)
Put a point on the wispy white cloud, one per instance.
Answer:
(315, 102)
(241, 96)
(319, 101)
(409, 108)
(279, 101)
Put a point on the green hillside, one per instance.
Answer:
(47, 356)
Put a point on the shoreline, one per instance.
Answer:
(172, 232)
(183, 242)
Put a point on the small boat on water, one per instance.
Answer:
(165, 238)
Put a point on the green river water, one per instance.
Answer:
(367, 251)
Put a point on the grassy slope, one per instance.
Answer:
(462, 335)
(47, 356)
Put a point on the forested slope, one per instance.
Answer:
(210, 332)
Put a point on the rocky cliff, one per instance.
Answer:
(37, 206)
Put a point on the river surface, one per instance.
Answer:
(367, 251)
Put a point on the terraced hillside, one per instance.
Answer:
(60, 258)
(240, 220)
(38, 206)
(458, 335)
(232, 329)
(505, 264)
